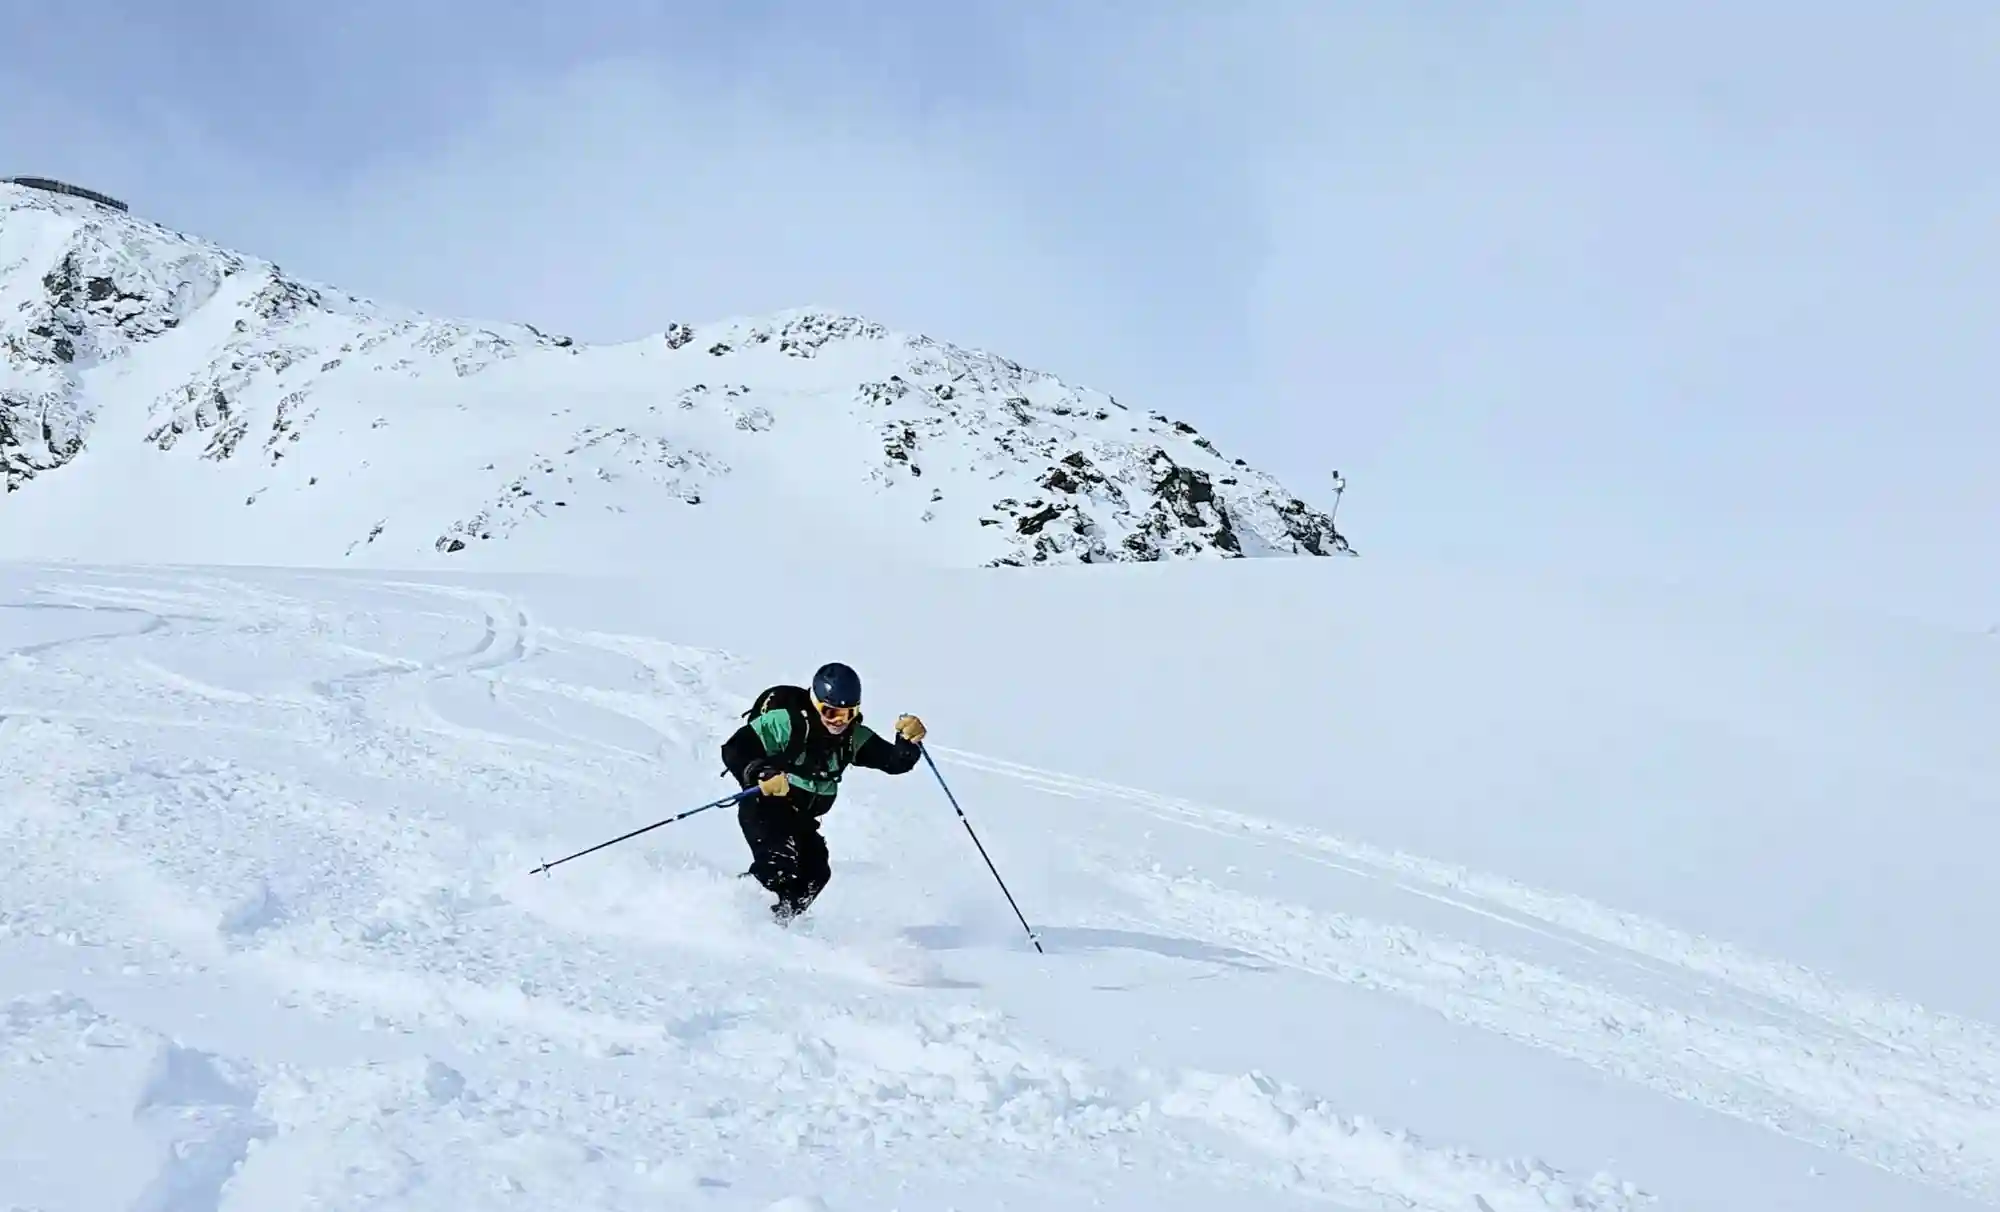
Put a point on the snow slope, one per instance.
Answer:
(255, 417)
(1362, 887)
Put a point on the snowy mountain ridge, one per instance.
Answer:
(266, 419)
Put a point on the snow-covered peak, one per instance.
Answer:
(164, 398)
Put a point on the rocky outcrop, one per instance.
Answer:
(466, 434)
(38, 433)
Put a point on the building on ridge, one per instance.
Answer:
(65, 188)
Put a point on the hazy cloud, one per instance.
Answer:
(1695, 290)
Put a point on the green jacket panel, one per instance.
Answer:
(822, 777)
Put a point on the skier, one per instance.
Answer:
(793, 748)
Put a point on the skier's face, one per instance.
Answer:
(836, 719)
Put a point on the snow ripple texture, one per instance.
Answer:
(269, 918)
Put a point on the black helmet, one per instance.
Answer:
(836, 685)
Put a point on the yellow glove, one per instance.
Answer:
(777, 784)
(910, 728)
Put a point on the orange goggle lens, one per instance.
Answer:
(836, 715)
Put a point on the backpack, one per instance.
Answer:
(798, 701)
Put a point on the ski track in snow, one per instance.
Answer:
(334, 830)
(1887, 1082)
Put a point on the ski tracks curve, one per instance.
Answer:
(1890, 1083)
(336, 855)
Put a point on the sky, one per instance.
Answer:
(1690, 292)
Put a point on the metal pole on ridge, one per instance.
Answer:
(744, 794)
(1032, 937)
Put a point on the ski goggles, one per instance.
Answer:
(836, 717)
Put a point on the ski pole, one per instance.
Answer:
(744, 794)
(982, 849)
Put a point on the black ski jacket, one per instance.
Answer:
(814, 767)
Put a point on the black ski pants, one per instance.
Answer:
(787, 853)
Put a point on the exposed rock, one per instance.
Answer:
(37, 434)
(286, 375)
